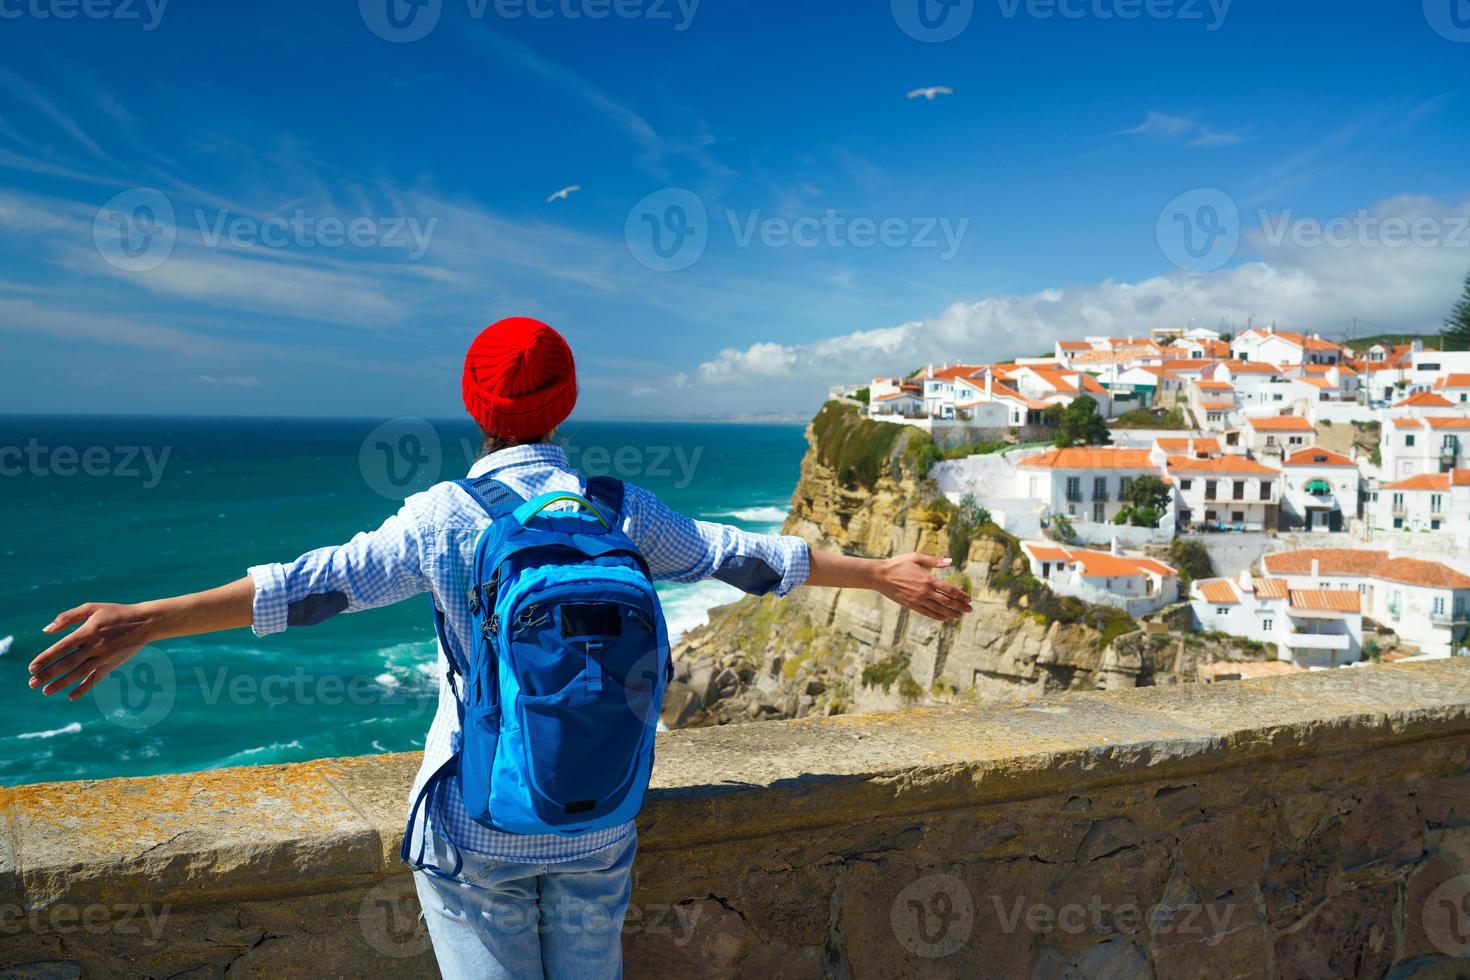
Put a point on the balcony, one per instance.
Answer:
(1448, 618)
(1099, 495)
(1317, 641)
(1074, 496)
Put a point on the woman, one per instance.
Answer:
(515, 905)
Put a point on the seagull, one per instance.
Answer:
(564, 193)
(931, 91)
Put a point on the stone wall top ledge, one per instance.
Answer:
(283, 829)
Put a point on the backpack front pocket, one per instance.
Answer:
(582, 749)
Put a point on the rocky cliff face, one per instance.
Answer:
(828, 651)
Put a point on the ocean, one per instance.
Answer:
(126, 509)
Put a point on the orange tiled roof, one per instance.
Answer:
(1425, 399)
(1429, 574)
(1331, 600)
(1452, 380)
(1251, 669)
(1270, 588)
(1216, 406)
(1175, 444)
(1098, 563)
(1091, 458)
(1317, 457)
(1280, 423)
(1407, 423)
(1330, 561)
(1219, 591)
(1214, 386)
(1448, 422)
(1424, 481)
(1220, 464)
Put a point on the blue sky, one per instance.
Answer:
(1033, 201)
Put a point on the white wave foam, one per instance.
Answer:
(71, 729)
(756, 515)
(6, 644)
(687, 606)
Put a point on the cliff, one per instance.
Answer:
(830, 651)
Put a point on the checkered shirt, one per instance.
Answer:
(428, 546)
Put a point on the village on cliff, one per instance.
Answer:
(1329, 486)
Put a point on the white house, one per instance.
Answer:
(1225, 492)
(1454, 388)
(1311, 627)
(1085, 483)
(1134, 583)
(1282, 347)
(1320, 490)
(1424, 602)
(1426, 444)
(1427, 502)
(1276, 435)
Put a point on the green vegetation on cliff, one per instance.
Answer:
(858, 450)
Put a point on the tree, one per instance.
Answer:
(1079, 424)
(1145, 502)
(1457, 324)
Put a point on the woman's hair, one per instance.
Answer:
(494, 443)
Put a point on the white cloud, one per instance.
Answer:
(1319, 288)
(230, 381)
(1183, 129)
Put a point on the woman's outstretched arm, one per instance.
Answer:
(905, 579)
(110, 633)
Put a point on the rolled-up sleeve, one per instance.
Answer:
(375, 568)
(681, 549)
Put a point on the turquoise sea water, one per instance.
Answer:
(127, 509)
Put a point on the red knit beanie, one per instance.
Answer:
(519, 379)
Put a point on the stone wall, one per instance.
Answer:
(1310, 826)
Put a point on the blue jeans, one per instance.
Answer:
(504, 919)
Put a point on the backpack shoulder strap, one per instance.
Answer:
(495, 497)
(606, 493)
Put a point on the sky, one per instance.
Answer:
(285, 208)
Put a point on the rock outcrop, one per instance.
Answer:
(830, 651)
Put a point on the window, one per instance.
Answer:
(1434, 503)
(1100, 488)
(1098, 512)
(1398, 503)
(1398, 523)
(1209, 515)
(1265, 489)
(1124, 482)
(1438, 605)
(1408, 441)
(1209, 489)
(1184, 485)
(1270, 440)
(1238, 490)
(1222, 610)
(1434, 525)
(1295, 441)
(1074, 488)
(1267, 624)
(1238, 516)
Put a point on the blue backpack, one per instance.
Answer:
(559, 697)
